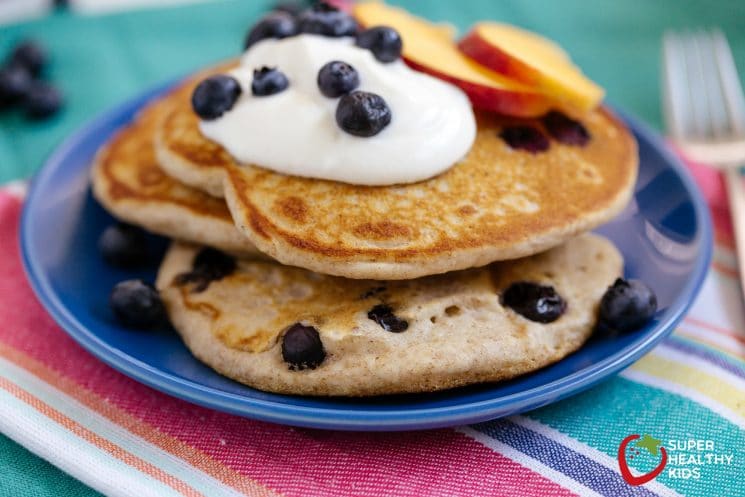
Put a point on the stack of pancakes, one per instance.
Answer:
(401, 284)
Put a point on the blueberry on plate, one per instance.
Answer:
(42, 100)
(137, 304)
(384, 42)
(30, 55)
(337, 78)
(268, 81)
(302, 347)
(538, 303)
(326, 20)
(627, 305)
(274, 25)
(215, 95)
(14, 84)
(123, 245)
(362, 113)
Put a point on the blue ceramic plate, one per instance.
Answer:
(664, 234)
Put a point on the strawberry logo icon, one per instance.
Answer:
(651, 445)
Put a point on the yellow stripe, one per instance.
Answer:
(694, 379)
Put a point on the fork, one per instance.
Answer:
(704, 111)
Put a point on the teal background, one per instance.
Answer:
(24, 474)
(99, 61)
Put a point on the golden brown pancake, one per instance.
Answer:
(129, 183)
(457, 331)
(498, 203)
(198, 163)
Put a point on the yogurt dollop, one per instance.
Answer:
(295, 132)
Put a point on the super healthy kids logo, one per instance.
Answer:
(650, 458)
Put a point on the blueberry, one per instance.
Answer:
(42, 100)
(302, 347)
(384, 42)
(362, 113)
(627, 305)
(137, 304)
(274, 25)
(326, 20)
(268, 81)
(565, 129)
(15, 82)
(528, 138)
(384, 316)
(30, 55)
(215, 96)
(123, 245)
(337, 78)
(214, 263)
(535, 302)
(209, 265)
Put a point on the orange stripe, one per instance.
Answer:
(724, 238)
(726, 271)
(716, 329)
(144, 430)
(98, 441)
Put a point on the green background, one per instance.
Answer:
(100, 61)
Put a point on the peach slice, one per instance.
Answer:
(430, 48)
(532, 60)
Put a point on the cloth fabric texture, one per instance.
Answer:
(125, 439)
(118, 437)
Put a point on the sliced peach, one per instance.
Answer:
(430, 48)
(532, 60)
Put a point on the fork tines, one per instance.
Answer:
(703, 99)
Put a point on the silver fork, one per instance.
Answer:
(704, 112)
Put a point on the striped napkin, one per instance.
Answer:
(125, 439)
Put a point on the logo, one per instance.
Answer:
(648, 443)
(687, 460)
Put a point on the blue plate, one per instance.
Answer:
(665, 236)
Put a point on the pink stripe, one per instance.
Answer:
(712, 185)
(291, 461)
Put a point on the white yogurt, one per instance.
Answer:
(295, 132)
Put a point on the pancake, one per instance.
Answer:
(458, 332)
(189, 158)
(498, 203)
(128, 182)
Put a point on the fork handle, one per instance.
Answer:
(736, 195)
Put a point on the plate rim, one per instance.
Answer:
(339, 418)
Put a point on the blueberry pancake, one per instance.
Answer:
(191, 160)
(288, 330)
(525, 186)
(129, 183)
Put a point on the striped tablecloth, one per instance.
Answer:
(125, 439)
